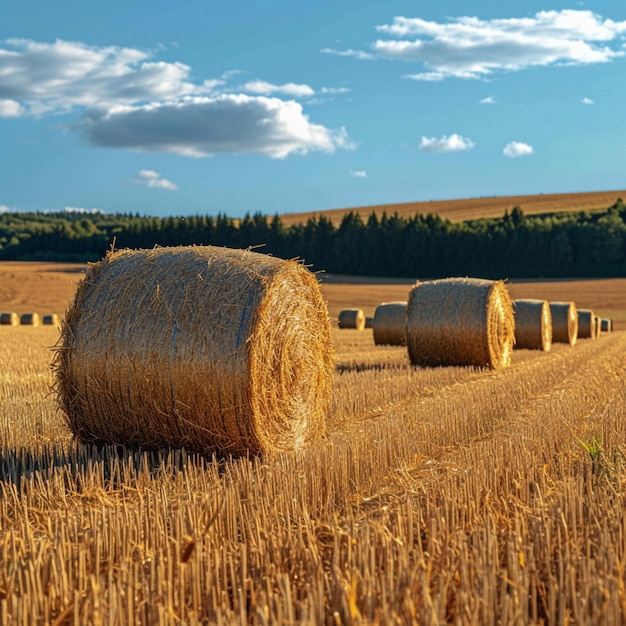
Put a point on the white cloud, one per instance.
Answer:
(453, 143)
(4, 208)
(488, 100)
(517, 149)
(153, 179)
(334, 90)
(357, 54)
(130, 101)
(358, 173)
(11, 108)
(468, 47)
(76, 209)
(289, 89)
(587, 101)
(47, 77)
(202, 126)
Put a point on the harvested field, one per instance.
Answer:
(451, 494)
(475, 208)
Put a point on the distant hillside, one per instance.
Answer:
(475, 208)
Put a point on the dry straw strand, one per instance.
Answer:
(586, 324)
(9, 319)
(352, 318)
(460, 321)
(51, 319)
(207, 348)
(533, 324)
(390, 324)
(564, 322)
(29, 319)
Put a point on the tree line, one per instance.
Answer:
(568, 244)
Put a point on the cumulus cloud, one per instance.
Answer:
(130, 101)
(78, 209)
(471, 48)
(452, 143)
(153, 179)
(357, 54)
(488, 100)
(358, 173)
(587, 101)
(4, 208)
(203, 126)
(11, 108)
(517, 149)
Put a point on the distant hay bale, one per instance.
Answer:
(206, 348)
(369, 322)
(586, 324)
(352, 318)
(29, 319)
(50, 320)
(533, 325)
(597, 325)
(606, 325)
(460, 321)
(564, 322)
(9, 319)
(390, 324)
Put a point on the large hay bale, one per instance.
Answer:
(533, 324)
(206, 348)
(29, 319)
(390, 324)
(606, 325)
(564, 322)
(352, 318)
(9, 319)
(369, 322)
(51, 319)
(460, 321)
(586, 324)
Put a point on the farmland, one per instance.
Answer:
(447, 494)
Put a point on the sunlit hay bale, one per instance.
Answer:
(606, 325)
(597, 322)
(460, 321)
(9, 319)
(29, 319)
(206, 348)
(369, 322)
(390, 324)
(564, 322)
(352, 318)
(50, 320)
(533, 325)
(586, 324)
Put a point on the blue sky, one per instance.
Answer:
(200, 107)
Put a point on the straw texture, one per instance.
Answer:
(564, 322)
(586, 324)
(352, 318)
(50, 320)
(460, 321)
(29, 319)
(206, 348)
(9, 319)
(606, 325)
(390, 324)
(533, 325)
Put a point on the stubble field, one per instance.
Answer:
(438, 495)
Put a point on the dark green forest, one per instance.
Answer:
(566, 244)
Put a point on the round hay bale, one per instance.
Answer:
(9, 319)
(390, 324)
(369, 322)
(586, 324)
(597, 326)
(29, 319)
(460, 321)
(533, 325)
(206, 348)
(352, 318)
(606, 325)
(564, 322)
(50, 320)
